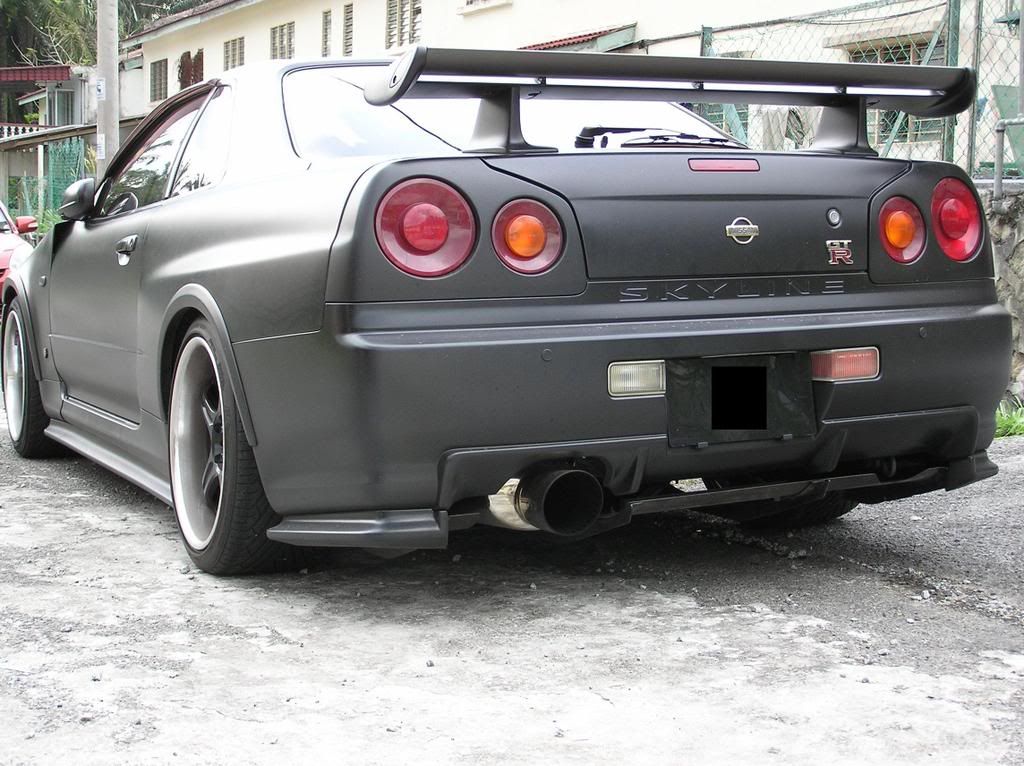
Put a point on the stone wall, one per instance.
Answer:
(1006, 222)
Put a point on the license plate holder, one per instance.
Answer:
(716, 400)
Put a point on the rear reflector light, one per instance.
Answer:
(636, 378)
(425, 227)
(725, 166)
(845, 364)
(956, 218)
(901, 227)
(527, 236)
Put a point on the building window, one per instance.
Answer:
(282, 41)
(403, 23)
(234, 53)
(158, 80)
(346, 30)
(883, 124)
(325, 34)
(190, 69)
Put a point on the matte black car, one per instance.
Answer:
(347, 303)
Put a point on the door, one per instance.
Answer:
(94, 277)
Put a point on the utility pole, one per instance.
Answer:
(108, 92)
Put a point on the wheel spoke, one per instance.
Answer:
(212, 483)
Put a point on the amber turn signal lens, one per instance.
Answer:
(525, 236)
(900, 229)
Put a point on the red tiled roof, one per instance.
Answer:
(164, 21)
(33, 74)
(562, 42)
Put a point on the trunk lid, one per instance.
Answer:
(649, 215)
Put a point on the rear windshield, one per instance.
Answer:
(328, 116)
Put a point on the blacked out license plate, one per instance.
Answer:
(714, 400)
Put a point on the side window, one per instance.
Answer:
(143, 180)
(205, 157)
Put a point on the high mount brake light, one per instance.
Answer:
(902, 229)
(956, 219)
(425, 227)
(527, 236)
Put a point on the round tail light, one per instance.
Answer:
(902, 229)
(956, 219)
(425, 227)
(527, 236)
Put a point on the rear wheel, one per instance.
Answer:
(219, 502)
(26, 419)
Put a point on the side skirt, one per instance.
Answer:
(111, 459)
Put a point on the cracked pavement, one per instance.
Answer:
(894, 635)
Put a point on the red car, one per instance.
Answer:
(11, 230)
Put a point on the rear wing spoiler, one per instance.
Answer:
(501, 78)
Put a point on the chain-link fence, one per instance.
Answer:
(982, 34)
(64, 164)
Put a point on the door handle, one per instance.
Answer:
(124, 249)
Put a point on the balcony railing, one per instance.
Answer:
(10, 129)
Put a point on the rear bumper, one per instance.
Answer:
(374, 419)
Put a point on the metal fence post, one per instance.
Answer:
(972, 126)
(952, 58)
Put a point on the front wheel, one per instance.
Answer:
(219, 502)
(26, 419)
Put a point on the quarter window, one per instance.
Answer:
(205, 157)
(282, 41)
(158, 80)
(234, 53)
(143, 180)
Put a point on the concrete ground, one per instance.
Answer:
(893, 636)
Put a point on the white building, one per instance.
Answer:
(228, 33)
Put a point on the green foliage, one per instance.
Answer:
(1010, 418)
(46, 221)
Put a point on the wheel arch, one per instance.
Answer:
(189, 303)
(12, 289)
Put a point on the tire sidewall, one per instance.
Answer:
(234, 439)
(28, 376)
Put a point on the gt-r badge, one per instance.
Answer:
(840, 252)
(742, 231)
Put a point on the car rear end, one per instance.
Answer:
(639, 316)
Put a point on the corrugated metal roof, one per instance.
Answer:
(34, 74)
(584, 37)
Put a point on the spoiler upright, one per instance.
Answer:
(501, 78)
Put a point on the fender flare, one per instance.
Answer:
(30, 329)
(197, 297)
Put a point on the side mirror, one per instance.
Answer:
(25, 224)
(78, 199)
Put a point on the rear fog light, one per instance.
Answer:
(845, 364)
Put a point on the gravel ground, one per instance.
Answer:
(895, 635)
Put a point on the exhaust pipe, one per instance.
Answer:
(563, 502)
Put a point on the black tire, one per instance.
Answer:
(793, 514)
(234, 541)
(22, 400)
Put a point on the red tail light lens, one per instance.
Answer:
(527, 236)
(956, 218)
(425, 227)
(902, 229)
